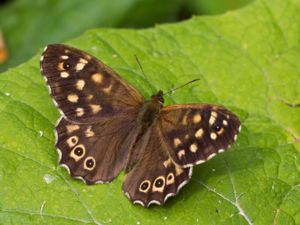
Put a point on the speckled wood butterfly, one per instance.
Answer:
(107, 126)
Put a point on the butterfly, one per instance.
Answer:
(107, 126)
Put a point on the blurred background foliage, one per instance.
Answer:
(27, 25)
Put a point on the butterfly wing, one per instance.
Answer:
(195, 133)
(84, 88)
(99, 111)
(155, 177)
(94, 153)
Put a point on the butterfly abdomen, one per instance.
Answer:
(147, 117)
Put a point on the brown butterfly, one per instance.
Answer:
(107, 126)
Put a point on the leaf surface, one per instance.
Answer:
(247, 61)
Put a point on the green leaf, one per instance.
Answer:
(247, 60)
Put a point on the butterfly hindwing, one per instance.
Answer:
(84, 88)
(197, 132)
(155, 177)
(96, 152)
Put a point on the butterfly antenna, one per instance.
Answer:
(174, 89)
(146, 78)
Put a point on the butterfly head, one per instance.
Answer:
(159, 97)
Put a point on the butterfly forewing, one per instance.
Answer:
(99, 110)
(155, 177)
(197, 132)
(84, 88)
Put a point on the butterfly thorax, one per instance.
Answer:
(150, 111)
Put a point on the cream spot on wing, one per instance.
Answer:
(64, 74)
(184, 119)
(186, 137)
(81, 64)
(72, 127)
(89, 97)
(177, 142)
(107, 90)
(225, 123)
(73, 98)
(88, 132)
(145, 186)
(78, 152)
(97, 78)
(95, 108)
(181, 153)
(193, 147)
(72, 141)
(80, 84)
(89, 163)
(213, 136)
(170, 179)
(42, 58)
(45, 48)
(197, 118)
(64, 57)
(199, 133)
(61, 66)
(213, 117)
(221, 150)
(167, 163)
(84, 61)
(158, 184)
(178, 170)
(88, 57)
(79, 112)
(240, 128)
